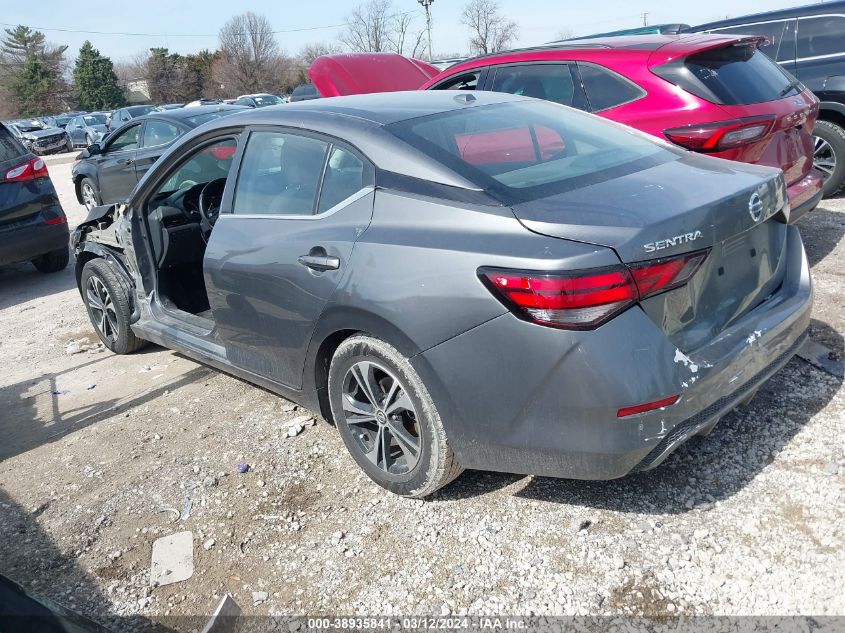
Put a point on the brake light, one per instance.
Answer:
(59, 220)
(714, 137)
(585, 299)
(30, 170)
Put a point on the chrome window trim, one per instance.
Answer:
(361, 193)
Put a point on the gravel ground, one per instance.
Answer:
(98, 454)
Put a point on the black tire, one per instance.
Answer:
(94, 193)
(69, 144)
(52, 262)
(833, 136)
(88, 140)
(435, 463)
(114, 330)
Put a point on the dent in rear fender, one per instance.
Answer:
(416, 265)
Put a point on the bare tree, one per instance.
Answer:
(565, 34)
(401, 37)
(250, 54)
(368, 27)
(490, 31)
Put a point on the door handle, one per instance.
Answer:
(125, 161)
(319, 262)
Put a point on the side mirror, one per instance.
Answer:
(93, 149)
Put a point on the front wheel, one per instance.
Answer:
(69, 144)
(388, 420)
(106, 297)
(829, 155)
(88, 193)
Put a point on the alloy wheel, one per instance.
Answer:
(824, 158)
(381, 418)
(102, 308)
(89, 198)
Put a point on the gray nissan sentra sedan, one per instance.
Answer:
(459, 280)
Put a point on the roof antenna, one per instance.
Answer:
(465, 97)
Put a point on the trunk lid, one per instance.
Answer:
(362, 73)
(714, 206)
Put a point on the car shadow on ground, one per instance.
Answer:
(32, 415)
(21, 282)
(704, 469)
(33, 560)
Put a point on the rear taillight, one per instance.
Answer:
(715, 137)
(30, 170)
(585, 299)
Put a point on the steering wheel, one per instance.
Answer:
(209, 205)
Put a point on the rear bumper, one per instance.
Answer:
(28, 242)
(517, 397)
(804, 195)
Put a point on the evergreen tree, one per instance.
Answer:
(96, 81)
(31, 87)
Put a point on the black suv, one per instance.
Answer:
(33, 226)
(809, 42)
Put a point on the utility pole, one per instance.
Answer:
(427, 4)
(645, 18)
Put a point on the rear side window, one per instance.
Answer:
(823, 35)
(465, 81)
(731, 75)
(344, 177)
(9, 146)
(772, 31)
(551, 82)
(605, 89)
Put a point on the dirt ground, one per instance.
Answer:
(100, 453)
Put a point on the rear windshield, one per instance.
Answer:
(140, 110)
(738, 75)
(522, 151)
(199, 119)
(267, 100)
(9, 146)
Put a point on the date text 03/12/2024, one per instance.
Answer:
(418, 623)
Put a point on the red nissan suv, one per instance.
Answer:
(714, 94)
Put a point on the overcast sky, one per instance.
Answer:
(157, 23)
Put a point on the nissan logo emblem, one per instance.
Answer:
(755, 207)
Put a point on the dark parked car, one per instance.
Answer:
(809, 42)
(33, 226)
(39, 139)
(107, 172)
(86, 129)
(459, 280)
(124, 115)
(305, 92)
(258, 100)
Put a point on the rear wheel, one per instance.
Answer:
(829, 155)
(106, 297)
(69, 144)
(387, 419)
(88, 193)
(52, 262)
